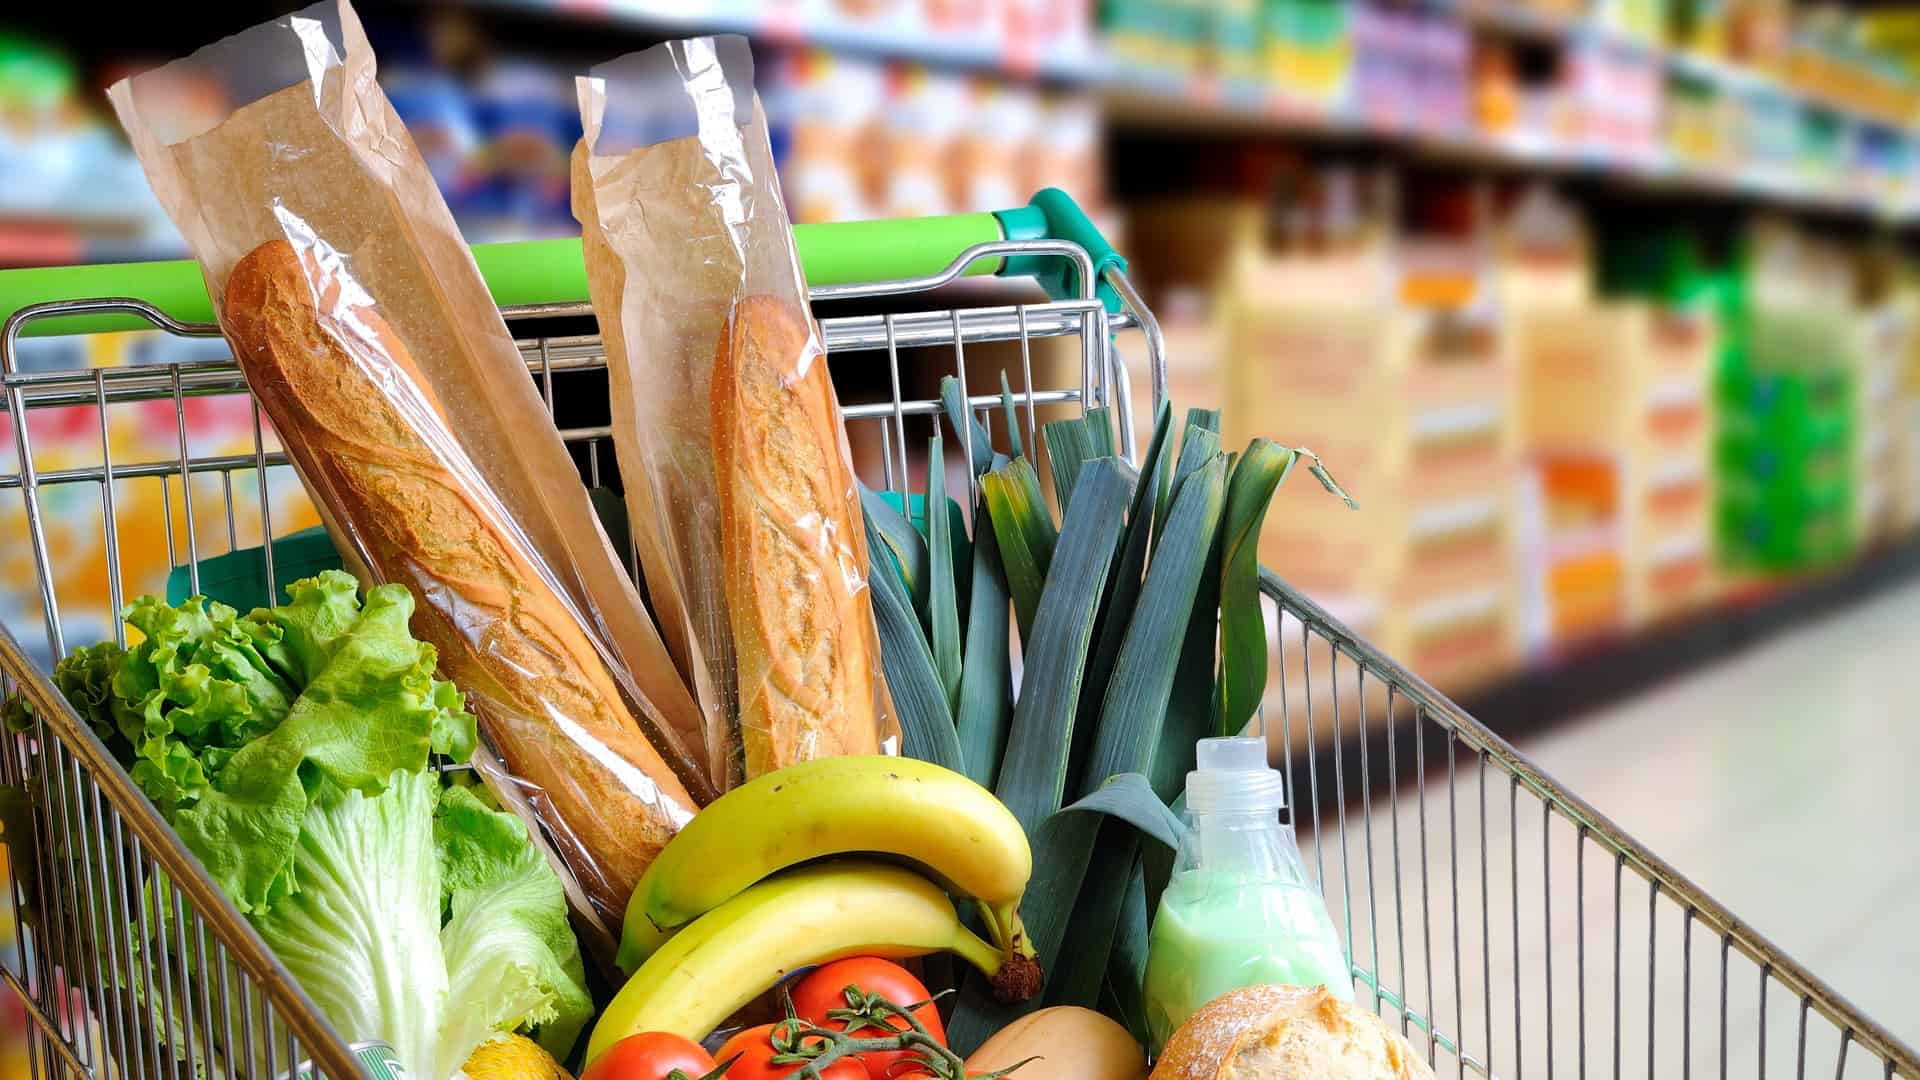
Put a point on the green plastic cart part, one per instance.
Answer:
(891, 249)
(1053, 215)
(238, 579)
(531, 272)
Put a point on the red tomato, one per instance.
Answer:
(751, 1053)
(650, 1055)
(826, 988)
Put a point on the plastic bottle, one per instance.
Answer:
(1239, 909)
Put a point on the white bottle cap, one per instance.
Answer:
(1234, 777)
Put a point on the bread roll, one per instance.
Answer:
(1286, 1033)
(373, 446)
(793, 543)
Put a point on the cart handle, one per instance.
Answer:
(532, 272)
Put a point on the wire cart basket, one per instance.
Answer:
(1502, 924)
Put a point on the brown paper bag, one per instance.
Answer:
(756, 547)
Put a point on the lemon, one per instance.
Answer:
(513, 1058)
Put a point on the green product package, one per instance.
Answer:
(377, 1058)
(238, 579)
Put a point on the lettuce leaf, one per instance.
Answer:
(371, 708)
(362, 933)
(510, 951)
(291, 748)
(232, 720)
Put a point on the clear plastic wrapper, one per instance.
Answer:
(730, 440)
(368, 336)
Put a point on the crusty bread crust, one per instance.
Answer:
(355, 409)
(1286, 1033)
(792, 541)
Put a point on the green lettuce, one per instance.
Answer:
(510, 950)
(361, 935)
(293, 749)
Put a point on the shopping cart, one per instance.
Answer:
(1495, 918)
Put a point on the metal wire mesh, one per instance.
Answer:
(1495, 919)
(118, 967)
(1506, 927)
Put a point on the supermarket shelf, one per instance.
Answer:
(1166, 101)
(793, 22)
(787, 22)
(1610, 670)
(1728, 77)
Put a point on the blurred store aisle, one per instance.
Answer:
(1781, 781)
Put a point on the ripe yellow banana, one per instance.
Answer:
(833, 806)
(804, 916)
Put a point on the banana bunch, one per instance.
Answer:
(727, 909)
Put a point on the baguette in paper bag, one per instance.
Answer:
(365, 329)
(738, 479)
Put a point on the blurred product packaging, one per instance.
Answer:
(527, 122)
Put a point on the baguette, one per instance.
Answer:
(792, 543)
(373, 445)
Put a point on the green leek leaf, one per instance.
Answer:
(1024, 529)
(1123, 589)
(1129, 797)
(1087, 950)
(1067, 452)
(1081, 857)
(903, 542)
(1013, 418)
(1127, 968)
(1320, 473)
(1190, 708)
(1198, 448)
(1098, 433)
(1243, 628)
(1033, 775)
(1134, 709)
(1046, 910)
(1042, 536)
(926, 724)
(986, 701)
(943, 612)
(961, 417)
(1205, 420)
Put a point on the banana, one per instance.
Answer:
(834, 806)
(800, 917)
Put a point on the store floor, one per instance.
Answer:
(1782, 781)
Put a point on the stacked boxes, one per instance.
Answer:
(1882, 453)
(1786, 458)
(1617, 421)
(1670, 563)
(1412, 410)
(1789, 399)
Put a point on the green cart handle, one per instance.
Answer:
(530, 272)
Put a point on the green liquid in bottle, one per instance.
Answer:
(1220, 930)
